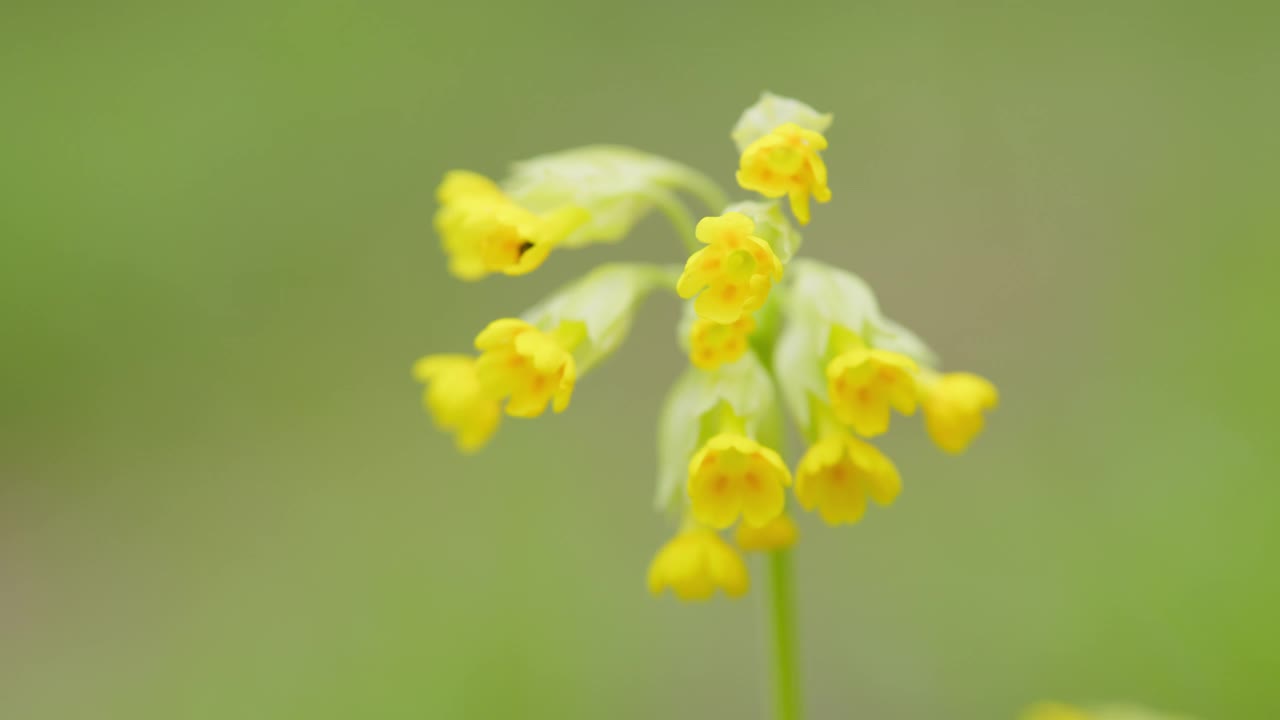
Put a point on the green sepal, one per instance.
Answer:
(618, 186)
(772, 226)
(769, 112)
(690, 412)
(604, 301)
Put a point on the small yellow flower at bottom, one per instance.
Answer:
(457, 400)
(712, 344)
(863, 383)
(483, 231)
(778, 534)
(696, 562)
(786, 162)
(953, 406)
(734, 475)
(530, 367)
(737, 269)
(839, 472)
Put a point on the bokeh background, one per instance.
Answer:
(220, 497)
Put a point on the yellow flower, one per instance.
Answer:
(484, 232)
(457, 400)
(953, 408)
(839, 472)
(713, 344)
(734, 475)
(777, 534)
(863, 383)
(696, 562)
(527, 365)
(736, 268)
(786, 162)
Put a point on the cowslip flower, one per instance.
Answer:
(787, 162)
(528, 366)
(457, 400)
(733, 274)
(839, 472)
(732, 475)
(778, 534)
(695, 563)
(712, 344)
(484, 232)
(954, 405)
(864, 382)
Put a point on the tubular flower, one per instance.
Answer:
(712, 344)
(696, 562)
(736, 268)
(778, 534)
(734, 475)
(839, 472)
(484, 232)
(457, 400)
(787, 162)
(863, 383)
(953, 408)
(530, 367)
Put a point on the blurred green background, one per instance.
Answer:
(220, 497)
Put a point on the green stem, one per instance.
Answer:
(679, 216)
(783, 616)
(705, 189)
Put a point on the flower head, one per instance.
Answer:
(737, 269)
(483, 231)
(953, 408)
(457, 400)
(530, 367)
(777, 534)
(696, 562)
(712, 344)
(787, 162)
(734, 475)
(863, 383)
(839, 472)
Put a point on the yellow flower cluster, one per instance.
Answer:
(720, 435)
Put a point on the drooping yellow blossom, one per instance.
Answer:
(839, 472)
(712, 344)
(863, 383)
(483, 231)
(787, 162)
(696, 562)
(778, 534)
(457, 400)
(736, 268)
(734, 475)
(530, 367)
(953, 407)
